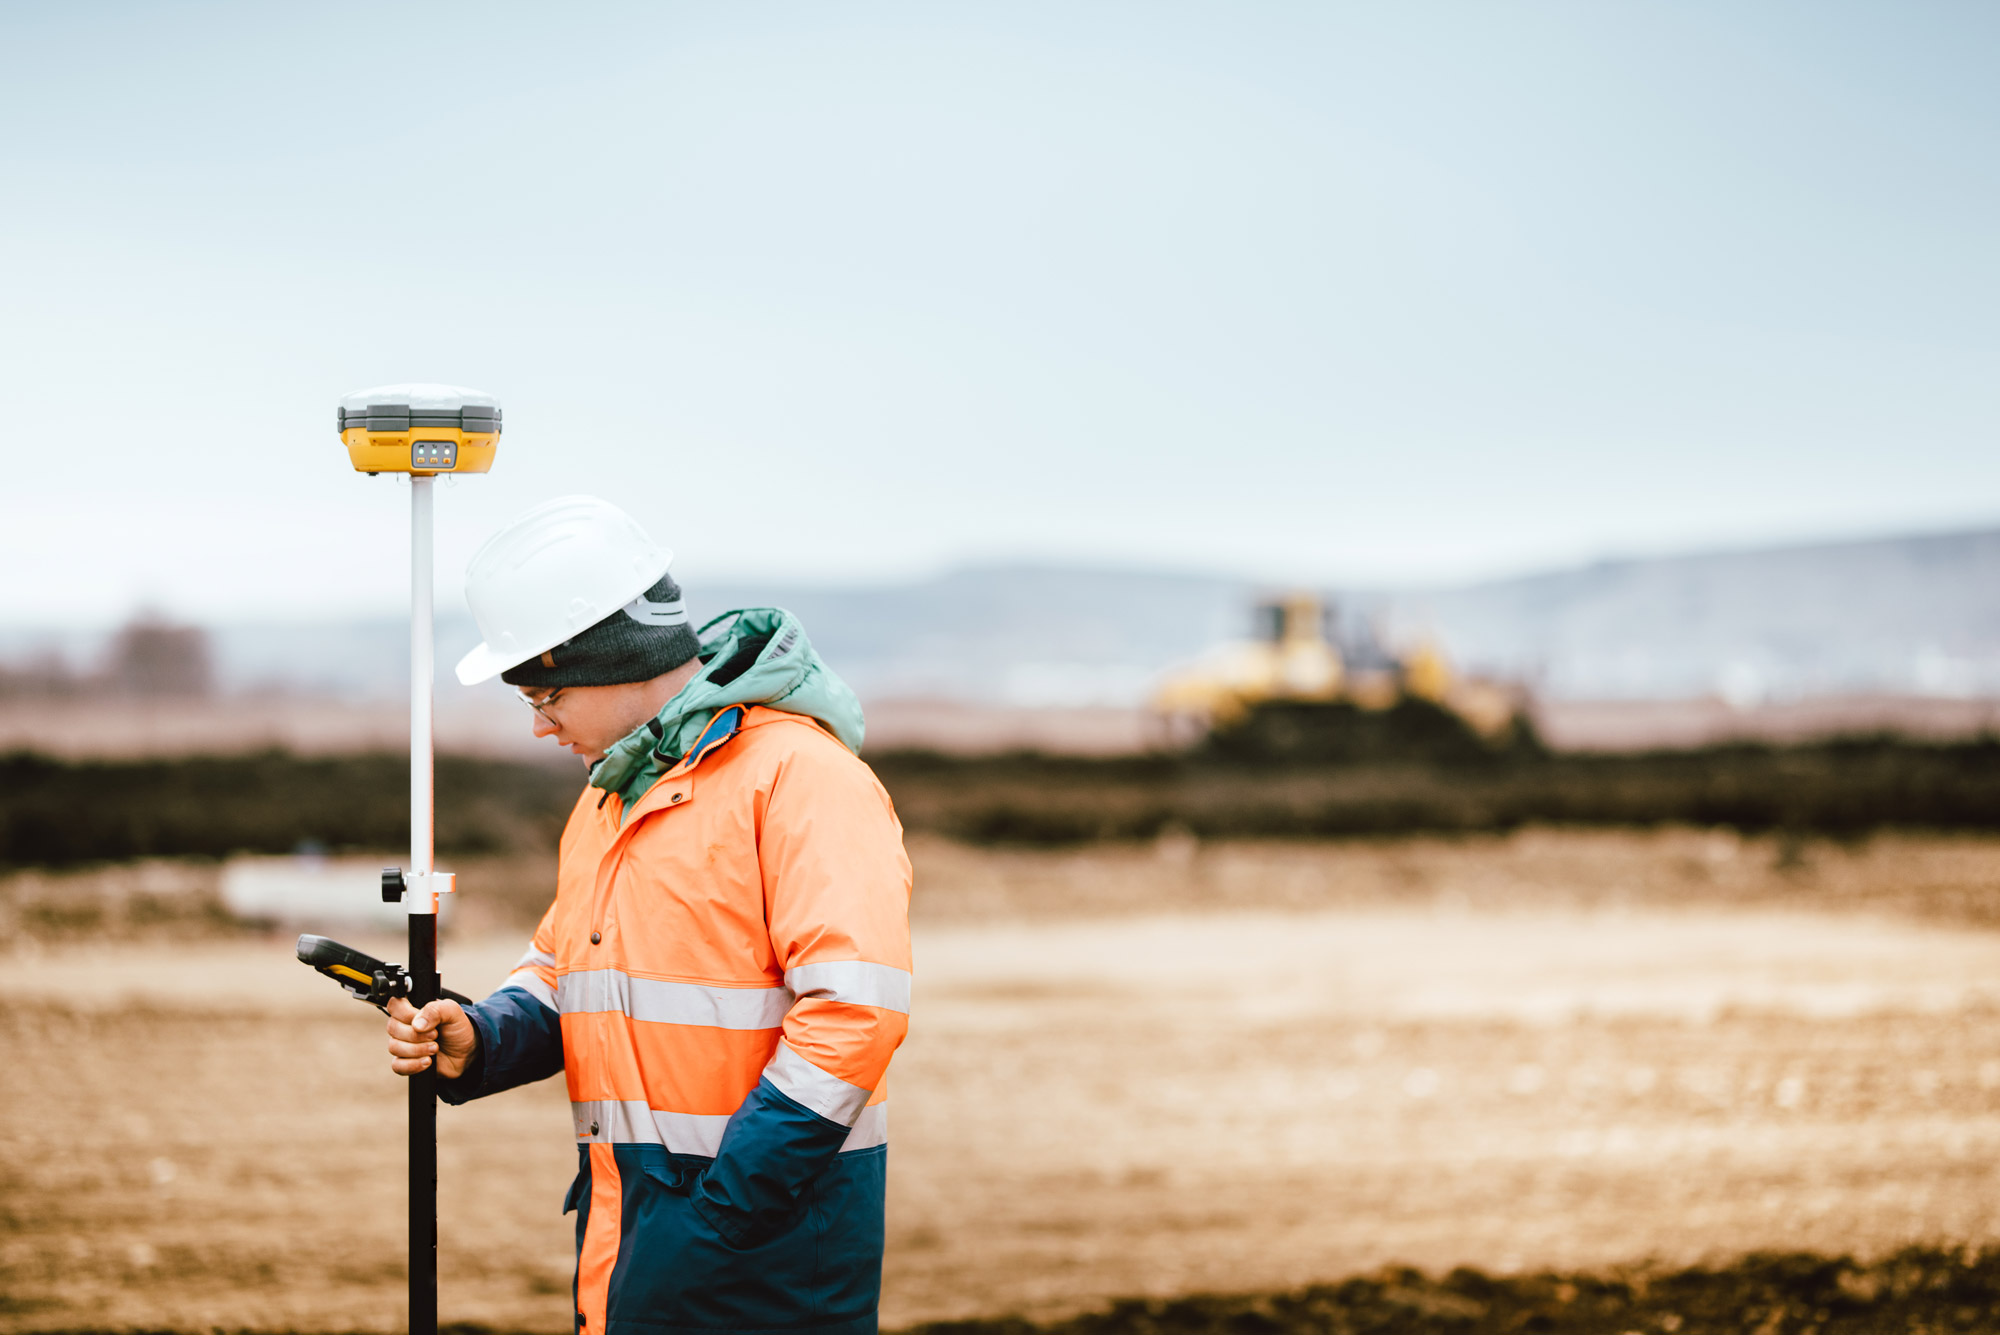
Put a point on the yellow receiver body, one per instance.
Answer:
(450, 450)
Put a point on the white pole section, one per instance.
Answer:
(422, 684)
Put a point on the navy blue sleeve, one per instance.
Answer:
(771, 1151)
(520, 1042)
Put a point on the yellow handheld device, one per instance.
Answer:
(420, 429)
(365, 977)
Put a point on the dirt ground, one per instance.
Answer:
(484, 722)
(1133, 1072)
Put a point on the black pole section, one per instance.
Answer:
(423, 1139)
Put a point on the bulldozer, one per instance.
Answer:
(1290, 692)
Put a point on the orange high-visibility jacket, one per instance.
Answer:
(722, 978)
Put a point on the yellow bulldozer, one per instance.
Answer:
(1292, 680)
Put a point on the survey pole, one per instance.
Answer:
(421, 903)
(421, 431)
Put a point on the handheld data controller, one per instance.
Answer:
(365, 977)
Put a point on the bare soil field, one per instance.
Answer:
(485, 723)
(1134, 1072)
(478, 723)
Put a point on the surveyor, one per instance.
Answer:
(725, 971)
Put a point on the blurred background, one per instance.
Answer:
(1426, 580)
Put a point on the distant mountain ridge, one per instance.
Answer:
(1914, 615)
(1007, 635)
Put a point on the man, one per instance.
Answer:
(724, 973)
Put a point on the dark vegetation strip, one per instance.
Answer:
(1921, 1289)
(1844, 788)
(54, 813)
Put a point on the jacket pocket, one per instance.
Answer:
(846, 1205)
(677, 1175)
(679, 1271)
(577, 1187)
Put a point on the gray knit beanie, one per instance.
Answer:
(646, 637)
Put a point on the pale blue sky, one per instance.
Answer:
(1387, 293)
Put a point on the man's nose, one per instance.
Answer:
(543, 728)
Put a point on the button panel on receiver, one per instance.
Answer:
(439, 454)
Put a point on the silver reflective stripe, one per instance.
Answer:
(656, 614)
(614, 1122)
(631, 1122)
(870, 1129)
(802, 1082)
(531, 983)
(854, 981)
(595, 990)
(691, 1133)
(535, 957)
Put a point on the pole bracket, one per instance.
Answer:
(424, 889)
(418, 890)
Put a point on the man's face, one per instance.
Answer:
(590, 720)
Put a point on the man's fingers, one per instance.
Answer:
(417, 1036)
(410, 1025)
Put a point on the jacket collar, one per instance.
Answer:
(720, 730)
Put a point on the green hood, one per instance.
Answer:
(754, 656)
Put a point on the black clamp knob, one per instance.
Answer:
(393, 885)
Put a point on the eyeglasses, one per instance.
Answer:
(540, 704)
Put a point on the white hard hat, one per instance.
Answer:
(557, 570)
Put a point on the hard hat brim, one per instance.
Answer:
(482, 664)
